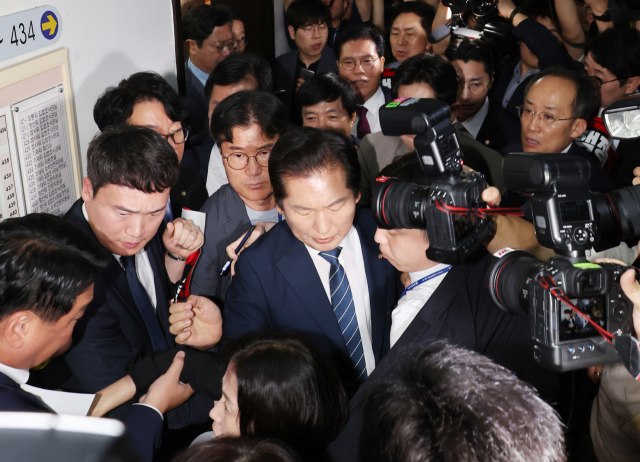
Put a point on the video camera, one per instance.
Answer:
(449, 207)
(575, 307)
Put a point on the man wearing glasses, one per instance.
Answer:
(557, 103)
(209, 37)
(309, 22)
(360, 54)
(245, 127)
(481, 116)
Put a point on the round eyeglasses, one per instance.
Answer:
(239, 160)
(178, 137)
(476, 88)
(366, 63)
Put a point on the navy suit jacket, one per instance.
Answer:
(499, 128)
(277, 286)
(198, 106)
(461, 312)
(197, 159)
(144, 425)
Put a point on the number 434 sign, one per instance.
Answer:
(28, 30)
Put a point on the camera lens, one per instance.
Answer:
(400, 205)
(508, 280)
(619, 216)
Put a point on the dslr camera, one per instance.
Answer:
(570, 219)
(452, 236)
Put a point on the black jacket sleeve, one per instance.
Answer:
(543, 44)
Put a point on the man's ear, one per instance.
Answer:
(579, 126)
(16, 327)
(358, 197)
(87, 189)
(192, 46)
(353, 118)
(631, 85)
(292, 32)
(429, 47)
(279, 209)
(382, 62)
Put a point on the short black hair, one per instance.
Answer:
(359, 32)
(424, 11)
(585, 101)
(116, 104)
(240, 67)
(234, 13)
(326, 87)
(238, 449)
(247, 108)
(445, 403)
(302, 152)
(45, 264)
(472, 50)
(618, 50)
(433, 70)
(303, 13)
(288, 390)
(198, 24)
(131, 156)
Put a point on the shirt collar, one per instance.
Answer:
(474, 123)
(417, 275)
(374, 103)
(201, 75)
(20, 376)
(516, 71)
(566, 150)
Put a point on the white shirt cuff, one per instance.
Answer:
(150, 406)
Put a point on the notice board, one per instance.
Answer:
(40, 168)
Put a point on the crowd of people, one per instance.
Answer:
(328, 338)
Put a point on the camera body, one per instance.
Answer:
(406, 205)
(568, 218)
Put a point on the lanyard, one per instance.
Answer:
(425, 279)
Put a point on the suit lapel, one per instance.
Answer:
(33, 400)
(161, 283)
(298, 270)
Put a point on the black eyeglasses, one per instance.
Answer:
(598, 81)
(178, 137)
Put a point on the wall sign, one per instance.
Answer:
(28, 31)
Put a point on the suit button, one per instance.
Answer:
(184, 193)
(487, 142)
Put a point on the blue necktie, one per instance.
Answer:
(144, 305)
(345, 311)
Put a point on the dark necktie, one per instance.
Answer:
(345, 311)
(363, 127)
(144, 305)
(168, 214)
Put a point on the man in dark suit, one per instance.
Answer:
(308, 26)
(47, 271)
(482, 117)
(130, 170)
(556, 107)
(207, 31)
(317, 272)
(240, 71)
(248, 197)
(146, 99)
(442, 302)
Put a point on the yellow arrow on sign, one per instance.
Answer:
(50, 26)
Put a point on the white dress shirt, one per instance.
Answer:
(20, 376)
(373, 105)
(474, 123)
(352, 261)
(216, 174)
(414, 300)
(143, 268)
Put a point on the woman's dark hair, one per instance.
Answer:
(198, 23)
(131, 156)
(303, 13)
(116, 104)
(359, 32)
(45, 264)
(585, 101)
(434, 70)
(288, 390)
(247, 108)
(240, 67)
(472, 50)
(302, 152)
(424, 11)
(326, 87)
(238, 449)
(617, 50)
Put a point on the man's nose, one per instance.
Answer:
(534, 123)
(135, 226)
(253, 169)
(321, 223)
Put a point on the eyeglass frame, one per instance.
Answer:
(313, 28)
(474, 83)
(171, 136)
(248, 160)
(227, 45)
(600, 82)
(539, 114)
(242, 39)
(357, 63)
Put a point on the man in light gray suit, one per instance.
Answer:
(424, 77)
(245, 126)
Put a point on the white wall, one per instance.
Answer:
(108, 40)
